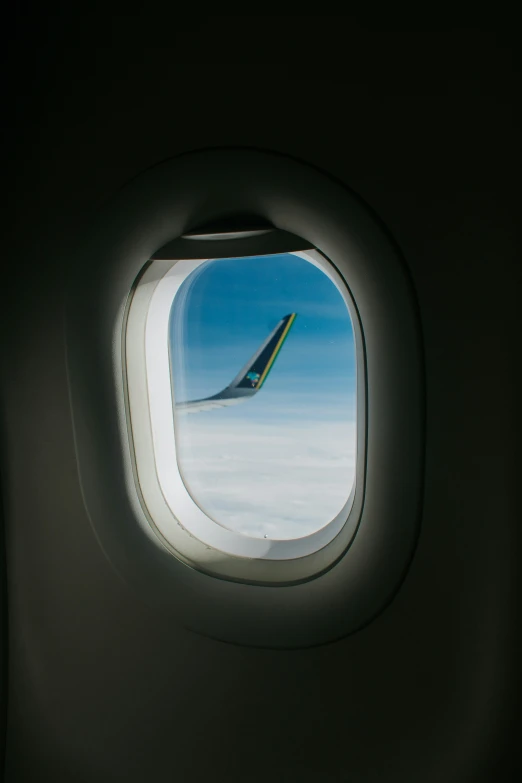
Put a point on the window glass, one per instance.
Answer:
(263, 373)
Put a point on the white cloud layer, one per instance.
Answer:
(284, 481)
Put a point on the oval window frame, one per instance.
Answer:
(173, 513)
(154, 209)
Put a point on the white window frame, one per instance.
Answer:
(176, 516)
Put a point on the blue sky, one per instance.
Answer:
(229, 306)
(282, 463)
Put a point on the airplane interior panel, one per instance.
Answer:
(303, 229)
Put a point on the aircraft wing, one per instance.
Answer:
(250, 378)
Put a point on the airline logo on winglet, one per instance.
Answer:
(253, 376)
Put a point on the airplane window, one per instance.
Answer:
(242, 378)
(263, 367)
(255, 371)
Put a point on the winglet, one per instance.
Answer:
(255, 373)
(251, 377)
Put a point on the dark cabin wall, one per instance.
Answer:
(419, 123)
